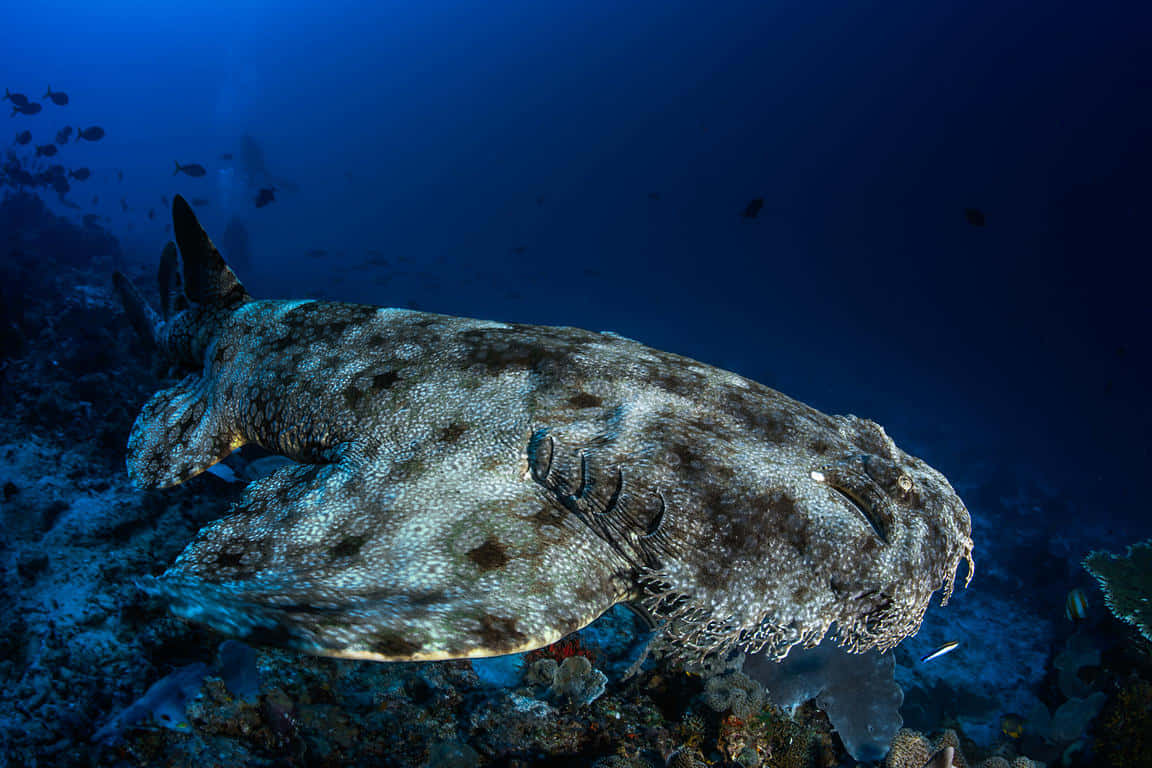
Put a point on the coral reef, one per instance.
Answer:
(1124, 734)
(857, 691)
(912, 749)
(735, 692)
(576, 683)
(1127, 584)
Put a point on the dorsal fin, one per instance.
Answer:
(207, 278)
(172, 298)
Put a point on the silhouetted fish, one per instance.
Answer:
(90, 219)
(18, 99)
(23, 137)
(226, 156)
(151, 213)
(200, 202)
(80, 174)
(264, 196)
(518, 250)
(653, 195)
(119, 175)
(975, 216)
(58, 98)
(164, 200)
(94, 133)
(539, 199)
(124, 205)
(45, 150)
(64, 134)
(318, 253)
(753, 208)
(195, 170)
(95, 199)
(30, 108)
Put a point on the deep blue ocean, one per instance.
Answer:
(932, 215)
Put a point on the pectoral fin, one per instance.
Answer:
(177, 436)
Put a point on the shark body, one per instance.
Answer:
(468, 488)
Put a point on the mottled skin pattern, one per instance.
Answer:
(469, 488)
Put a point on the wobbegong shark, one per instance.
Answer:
(463, 488)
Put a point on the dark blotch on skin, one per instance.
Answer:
(584, 400)
(500, 634)
(489, 555)
(452, 432)
(229, 560)
(353, 397)
(348, 547)
(391, 643)
(384, 380)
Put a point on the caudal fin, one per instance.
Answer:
(178, 168)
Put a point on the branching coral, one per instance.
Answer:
(1127, 583)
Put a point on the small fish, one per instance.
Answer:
(46, 150)
(265, 196)
(753, 208)
(95, 199)
(975, 216)
(151, 213)
(64, 134)
(23, 137)
(195, 170)
(653, 195)
(1012, 725)
(518, 250)
(58, 98)
(226, 156)
(124, 205)
(30, 108)
(200, 202)
(93, 133)
(317, 253)
(119, 175)
(948, 647)
(90, 219)
(18, 99)
(1076, 605)
(164, 200)
(539, 199)
(80, 174)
